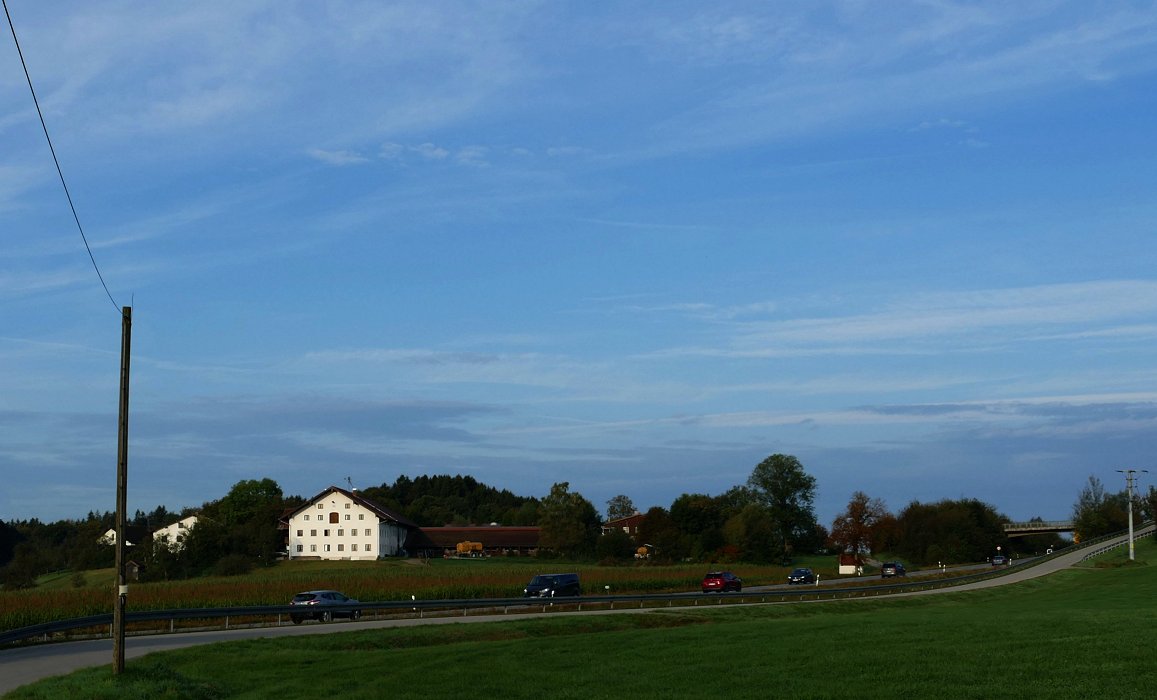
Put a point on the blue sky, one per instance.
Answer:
(637, 247)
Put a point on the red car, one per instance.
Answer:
(721, 582)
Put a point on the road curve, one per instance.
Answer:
(22, 665)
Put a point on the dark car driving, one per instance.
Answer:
(892, 568)
(324, 606)
(721, 582)
(801, 576)
(552, 585)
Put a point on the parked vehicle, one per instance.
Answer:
(801, 576)
(892, 568)
(1000, 560)
(721, 582)
(324, 606)
(552, 586)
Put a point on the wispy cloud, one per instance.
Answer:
(337, 157)
(940, 321)
(842, 76)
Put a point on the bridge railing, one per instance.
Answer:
(1040, 526)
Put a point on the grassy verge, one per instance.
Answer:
(1080, 633)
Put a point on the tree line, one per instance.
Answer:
(768, 519)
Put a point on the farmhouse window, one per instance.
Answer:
(333, 517)
(320, 506)
(354, 547)
(313, 547)
(313, 533)
(361, 516)
(341, 548)
(367, 546)
(347, 516)
(299, 533)
(347, 506)
(327, 547)
(341, 533)
(300, 547)
(305, 517)
(367, 532)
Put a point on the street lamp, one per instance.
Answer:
(1130, 477)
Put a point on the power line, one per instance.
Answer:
(55, 160)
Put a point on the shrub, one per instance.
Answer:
(232, 565)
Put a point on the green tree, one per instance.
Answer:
(788, 493)
(699, 519)
(853, 530)
(9, 538)
(658, 530)
(734, 500)
(27, 563)
(460, 500)
(569, 523)
(615, 545)
(754, 535)
(620, 506)
(1097, 513)
(1149, 507)
(950, 531)
(248, 500)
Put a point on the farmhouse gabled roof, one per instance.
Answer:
(381, 511)
(626, 520)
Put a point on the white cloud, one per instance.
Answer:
(430, 151)
(990, 317)
(472, 155)
(337, 157)
(392, 151)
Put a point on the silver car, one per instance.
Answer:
(324, 606)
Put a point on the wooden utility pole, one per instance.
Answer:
(118, 615)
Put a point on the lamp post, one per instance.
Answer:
(1130, 477)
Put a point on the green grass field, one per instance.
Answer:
(1085, 632)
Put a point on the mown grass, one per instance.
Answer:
(1079, 633)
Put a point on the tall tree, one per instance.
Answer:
(788, 493)
(659, 531)
(620, 506)
(1149, 507)
(9, 538)
(753, 534)
(853, 530)
(700, 519)
(1097, 513)
(569, 523)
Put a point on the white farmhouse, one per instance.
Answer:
(173, 536)
(340, 524)
(133, 536)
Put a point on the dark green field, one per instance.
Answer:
(1085, 632)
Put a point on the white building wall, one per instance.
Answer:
(337, 527)
(174, 535)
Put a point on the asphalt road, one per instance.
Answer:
(22, 665)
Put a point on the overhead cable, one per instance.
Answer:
(55, 160)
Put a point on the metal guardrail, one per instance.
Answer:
(420, 608)
(1144, 530)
